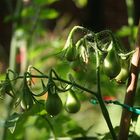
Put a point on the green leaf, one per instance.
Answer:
(81, 3)
(28, 12)
(48, 14)
(12, 121)
(126, 31)
(107, 136)
(37, 109)
(58, 124)
(76, 130)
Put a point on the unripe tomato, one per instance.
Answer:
(124, 73)
(72, 104)
(53, 104)
(111, 63)
(71, 53)
(26, 101)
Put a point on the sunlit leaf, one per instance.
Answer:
(48, 14)
(81, 3)
(28, 12)
(126, 31)
(38, 109)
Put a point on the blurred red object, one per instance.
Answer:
(107, 98)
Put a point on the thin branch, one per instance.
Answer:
(61, 80)
(131, 89)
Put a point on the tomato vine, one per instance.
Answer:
(108, 54)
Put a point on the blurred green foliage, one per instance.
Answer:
(44, 52)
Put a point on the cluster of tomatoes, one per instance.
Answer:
(53, 102)
(114, 64)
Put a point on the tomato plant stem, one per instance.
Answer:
(101, 102)
(61, 80)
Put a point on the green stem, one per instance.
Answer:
(61, 80)
(80, 28)
(72, 32)
(99, 97)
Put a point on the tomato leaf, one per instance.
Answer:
(76, 130)
(12, 121)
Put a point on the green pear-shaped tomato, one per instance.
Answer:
(111, 63)
(72, 104)
(26, 101)
(124, 73)
(71, 53)
(53, 104)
